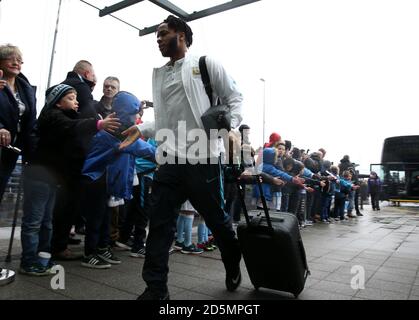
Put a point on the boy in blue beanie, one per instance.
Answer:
(58, 127)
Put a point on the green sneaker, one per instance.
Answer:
(192, 249)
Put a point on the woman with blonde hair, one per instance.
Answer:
(17, 112)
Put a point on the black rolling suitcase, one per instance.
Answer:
(272, 249)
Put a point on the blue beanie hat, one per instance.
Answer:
(55, 93)
(126, 106)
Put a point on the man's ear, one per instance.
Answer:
(182, 37)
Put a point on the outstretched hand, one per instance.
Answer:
(132, 135)
(278, 182)
(110, 123)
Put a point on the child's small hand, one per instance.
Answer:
(309, 189)
(298, 181)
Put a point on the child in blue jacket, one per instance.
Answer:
(109, 171)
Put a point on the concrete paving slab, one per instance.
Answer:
(323, 267)
(396, 271)
(400, 265)
(314, 294)
(393, 277)
(414, 291)
(218, 291)
(389, 286)
(383, 243)
(336, 287)
(378, 294)
(191, 295)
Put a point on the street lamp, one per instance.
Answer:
(264, 104)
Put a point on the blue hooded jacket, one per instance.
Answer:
(105, 157)
(126, 106)
(269, 165)
(270, 168)
(145, 166)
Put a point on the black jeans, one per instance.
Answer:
(233, 204)
(356, 202)
(375, 200)
(173, 184)
(66, 208)
(97, 214)
(137, 214)
(7, 164)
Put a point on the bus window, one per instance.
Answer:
(414, 183)
(379, 170)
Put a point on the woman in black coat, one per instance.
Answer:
(17, 112)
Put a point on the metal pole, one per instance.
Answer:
(53, 45)
(264, 109)
(17, 205)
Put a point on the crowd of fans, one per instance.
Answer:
(77, 180)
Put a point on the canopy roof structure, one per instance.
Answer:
(194, 12)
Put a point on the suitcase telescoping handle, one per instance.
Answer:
(262, 196)
(264, 205)
(259, 184)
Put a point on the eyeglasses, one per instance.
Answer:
(13, 59)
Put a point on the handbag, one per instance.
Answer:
(217, 116)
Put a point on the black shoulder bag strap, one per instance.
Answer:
(205, 77)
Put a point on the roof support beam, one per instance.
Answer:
(117, 6)
(201, 14)
(168, 6)
(172, 8)
(220, 8)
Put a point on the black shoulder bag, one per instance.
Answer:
(217, 116)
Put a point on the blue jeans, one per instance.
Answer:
(38, 206)
(326, 203)
(351, 200)
(202, 232)
(184, 229)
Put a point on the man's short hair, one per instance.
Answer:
(179, 25)
(112, 79)
(82, 65)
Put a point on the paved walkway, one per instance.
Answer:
(384, 244)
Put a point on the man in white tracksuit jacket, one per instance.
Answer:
(180, 100)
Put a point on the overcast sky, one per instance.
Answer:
(342, 75)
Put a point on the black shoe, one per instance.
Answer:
(359, 214)
(107, 255)
(150, 295)
(233, 282)
(93, 261)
